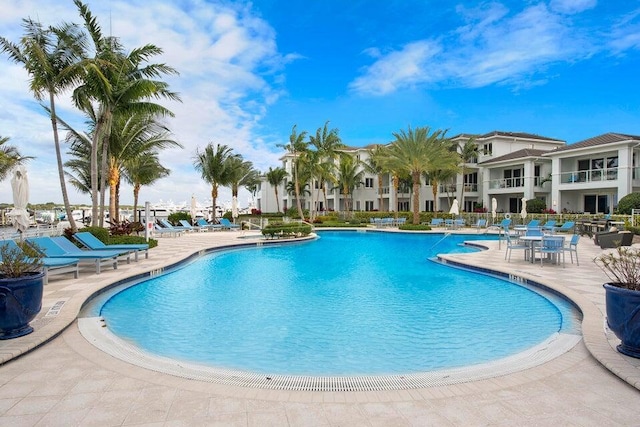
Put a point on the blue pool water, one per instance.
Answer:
(346, 304)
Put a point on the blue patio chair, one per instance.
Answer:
(572, 247)
(533, 231)
(533, 223)
(566, 227)
(514, 244)
(436, 222)
(52, 249)
(92, 242)
(481, 223)
(50, 266)
(205, 225)
(166, 224)
(552, 246)
(162, 231)
(188, 227)
(228, 225)
(549, 226)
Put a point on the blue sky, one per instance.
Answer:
(565, 69)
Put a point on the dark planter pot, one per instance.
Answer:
(20, 303)
(623, 318)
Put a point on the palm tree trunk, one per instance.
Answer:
(114, 177)
(434, 191)
(214, 196)
(380, 192)
(416, 198)
(56, 142)
(396, 184)
(297, 187)
(136, 217)
(275, 188)
(104, 170)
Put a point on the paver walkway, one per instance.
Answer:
(66, 381)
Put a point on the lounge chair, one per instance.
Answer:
(93, 243)
(482, 223)
(52, 249)
(228, 225)
(436, 222)
(188, 227)
(549, 226)
(162, 231)
(167, 224)
(566, 227)
(205, 225)
(50, 266)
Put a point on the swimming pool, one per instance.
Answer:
(347, 304)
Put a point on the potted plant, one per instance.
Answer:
(21, 287)
(622, 267)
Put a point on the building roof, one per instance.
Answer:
(604, 139)
(523, 135)
(518, 154)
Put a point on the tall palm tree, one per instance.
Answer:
(143, 170)
(349, 177)
(375, 166)
(211, 163)
(10, 157)
(79, 165)
(240, 173)
(275, 178)
(296, 147)
(468, 153)
(51, 57)
(418, 151)
(132, 136)
(447, 173)
(116, 82)
(327, 144)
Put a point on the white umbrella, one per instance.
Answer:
(454, 208)
(234, 208)
(20, 187)
(523, 212)
(494, 208)
(193, 210)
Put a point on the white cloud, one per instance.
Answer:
(570, 7)
(625, 34)
(492, 47)
(229, 68)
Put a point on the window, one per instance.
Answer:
(487, 149)
(471, 182)
(368, 182)
(368, 205)
(428, 205)
(612, 168)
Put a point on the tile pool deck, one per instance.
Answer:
(67, 381)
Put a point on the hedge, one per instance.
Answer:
(291, 229)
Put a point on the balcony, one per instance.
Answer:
(447, 188)
(590, 175)
(495, 184)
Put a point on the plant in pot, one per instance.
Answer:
(21, 287)
(622, 296)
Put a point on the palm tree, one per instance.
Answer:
(350, 175)
(51, 57)
(327, 144)
(468, 153)
(416, 152)
(114, 83)
(275, 178)
(296, 147)
(240, 173)
(211, 163)
(79, 163)
(375, 166)
(143, 170)
(438, 176)
(10, 157)
(133, 136)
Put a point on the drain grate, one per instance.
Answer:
(92, 329)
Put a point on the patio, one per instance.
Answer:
(67, 381)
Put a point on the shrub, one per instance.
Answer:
(175, 217)
(101, 233)
(20, 261)
(627, 203)
(291, 229)
(536, 206)
(128, 240)
(255, 211)
(125, 228)
(340, 224)
(415, 227)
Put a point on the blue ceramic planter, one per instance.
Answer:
(623, 318)
(20, 303)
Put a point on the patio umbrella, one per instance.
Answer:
(523, 212)
(20, 187)
(193, 210)
(494, 208)
(234, 208)
(455, 210)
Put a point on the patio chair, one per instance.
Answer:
(514, 244)
(92, 242)
(533, 231)
(552, 246)
(436, 222)
(566, 227)
(533, 223)
(202, 223)
(162, 231)
(52, 249)
(482, 223)
(613, 239)
(51, 266)
(188, 227)
(549, 226)
(572, 247)
(228, 225)
(166, 224)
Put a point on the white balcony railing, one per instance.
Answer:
(506, 183)
(590, 175)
